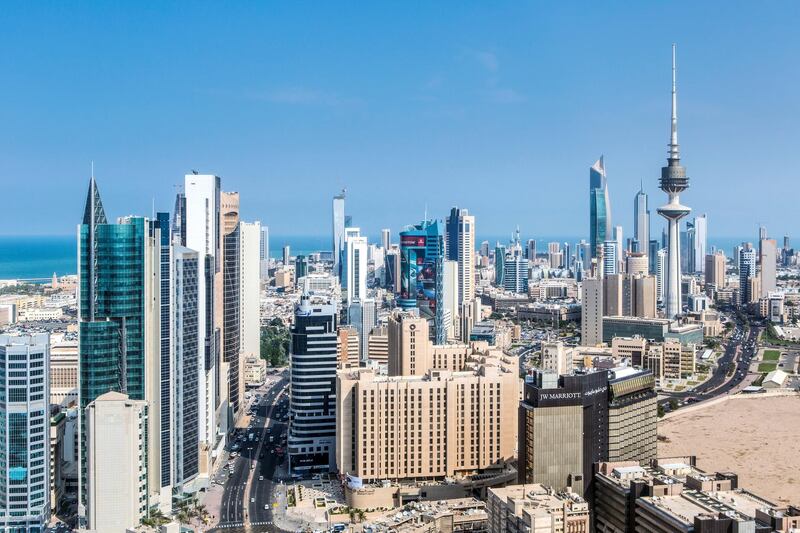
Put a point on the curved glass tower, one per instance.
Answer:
(599, 207)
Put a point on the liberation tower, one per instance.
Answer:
(673, 182)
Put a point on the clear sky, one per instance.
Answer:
(498, 107)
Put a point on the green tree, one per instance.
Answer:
(275, 342)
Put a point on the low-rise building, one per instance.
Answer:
(378, 345)
(255, 370)
(672, 495)
(536, 509)
(439, 516)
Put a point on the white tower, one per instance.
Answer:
(673, 182)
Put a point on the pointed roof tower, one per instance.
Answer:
(93, 212)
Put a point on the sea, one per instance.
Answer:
(39, 257)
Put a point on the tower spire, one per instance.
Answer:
(673, 138)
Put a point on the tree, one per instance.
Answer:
(673, 404)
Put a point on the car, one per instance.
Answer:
(261, 478)
(252, 500)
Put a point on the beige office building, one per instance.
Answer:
(116, 429)
(715, 270)
(535, 508)
(63, 370)
(637, 264)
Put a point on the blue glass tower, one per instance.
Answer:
(599, 207)
(422, 274)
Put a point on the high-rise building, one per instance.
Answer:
(768, 261)
(530, 250)
(119, 319)
(715, 270)
(354, 266)
(422, 274)
(673, 182)
(661, 273)
(499, 264)
(592, 311)
(652, 256)
(460, 239)
(641, 221)
(391, 271)
(202, 235)
(300, 268)
(189, 374)
(25, 436)
(264, 253)
(636, 264)
(484, 251)
(287, 256)
(450, 298)
(700, 242)
(338, 232)
(570, 422)
(362, 315)
(386, 239)
(611, 253)
(599, 207)
(166, 364)
(250, 297)
(747, 270)
(116, 430)
(230, 372)
(585, 255)
(312, 428)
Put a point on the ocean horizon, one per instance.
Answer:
(37, 257)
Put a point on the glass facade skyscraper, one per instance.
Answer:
(599, 207)
(24, 433)
(422, 274)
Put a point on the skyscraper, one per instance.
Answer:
(312, 427)
(422, 274)
(25, 435)
(515, 266)
(202, 235)
(715, 270)
(249, 296)
(700, 242)
(610, 258)
(641, 221)
(229, 376)
(530, 250)
(338, 232)
(499, 264)
(661, 273)
(673, 182)
(460, 239)
(287, 256)
(119, 317)
(747, 270)
(592, 311)
(599, 207)
(768, 261)
(354, 267)
(386, 239)
(264, 253)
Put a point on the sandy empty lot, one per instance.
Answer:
(757, 437)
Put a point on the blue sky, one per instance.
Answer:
(498, 107)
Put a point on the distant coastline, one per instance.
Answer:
(38, 257)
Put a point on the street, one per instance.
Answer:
(738, 354)
(247, 497)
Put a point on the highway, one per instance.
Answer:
(736, 360)
(246, 501)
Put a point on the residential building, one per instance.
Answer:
(747, 272)
(768, 260)
(378, 345)
(263, 253)
(611, 253)
(715, 270)
(25, 437)
(354, 267)
(348, 353)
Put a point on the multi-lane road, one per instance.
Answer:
(731, 369)
(249, 477)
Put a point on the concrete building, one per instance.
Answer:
(747, 271)
(25, 468)
(57, 463)
(354, 267)
(229, 306)
(363, 316)
(117, 463)
(313, 362)
(654, 329)
(592, 309)
(337, 244)
(768, 259)
(672, 495)
(255, 370)
(63, 370)
(555, 358)
(348, 353)
(715, 270)
(566, 422)
(636, 264)
(378, 345)
(535, 508)
(435, 424)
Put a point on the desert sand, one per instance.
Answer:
(757, 437)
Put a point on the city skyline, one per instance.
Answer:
(445, 111)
